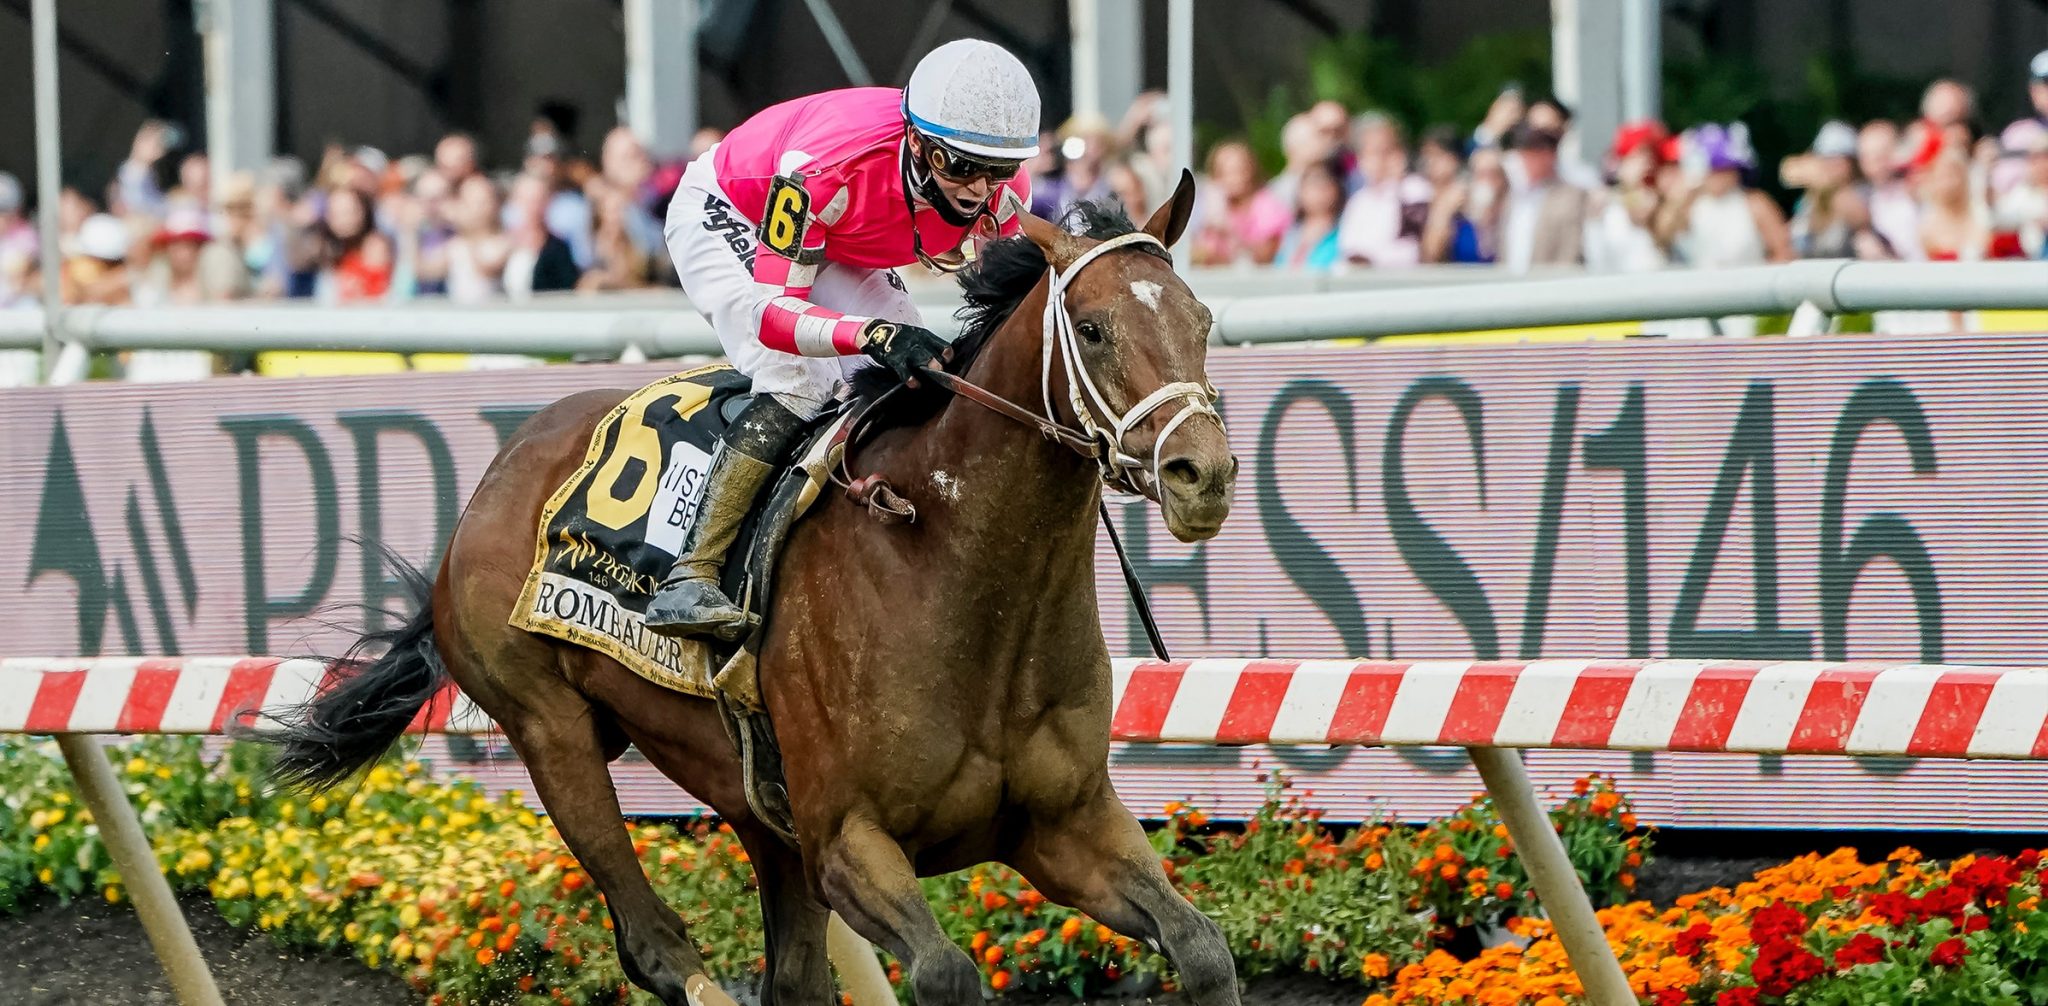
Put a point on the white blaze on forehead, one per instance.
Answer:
(1147, 291)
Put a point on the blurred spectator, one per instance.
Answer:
(195, 183)
(1128, 188)
(477, 252)
(566, 213)
(1894, 211)
(704, 139)
(539, 260)
(1147, 135)
(1621, 234)
(1373, 134)
(1440, 158)
(354, 261)
(2037, 95)
(1954, 225)
(18, 246)
(1948, 103)
(1084, 145)
(455, 158)
(620, 263)
(1501, 118)
(1382, 224)
(2023, 209)
(419, 223)
(1717, 220)
(1823, 224)
(1302, 147)
(1544, 221)
(1464, 219)
(135, 181)
(1242, 222)
(189, 266)
(96, 272)
(1332, 121)
(1551, 116)
(1311, 242)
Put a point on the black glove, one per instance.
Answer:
(904, 349)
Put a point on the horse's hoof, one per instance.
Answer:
(702, 991)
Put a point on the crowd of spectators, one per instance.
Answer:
(1355, 192)
(359, 227)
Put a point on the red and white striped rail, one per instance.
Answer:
(1660, 705)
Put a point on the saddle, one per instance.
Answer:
(611, 530)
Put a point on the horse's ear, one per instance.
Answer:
(1170, 219)
(1059, 246)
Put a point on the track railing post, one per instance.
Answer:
(1551, 873)
(860, 974)
(121, 830)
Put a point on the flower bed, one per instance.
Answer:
(474, 899)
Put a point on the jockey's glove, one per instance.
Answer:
(902, 348)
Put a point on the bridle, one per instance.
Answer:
(1102, 430)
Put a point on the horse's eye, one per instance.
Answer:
(1089, 331)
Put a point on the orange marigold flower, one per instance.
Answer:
(1103, 934)
(979, 941)
(1503, 890)
(1374, 861)
(1376, 965)
(1476, 873)
(1070, 929)
(485, 956)
(994, 953)
(999, 981)
(1448, 872)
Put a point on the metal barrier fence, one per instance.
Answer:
(1491, 708)
(1821, 287)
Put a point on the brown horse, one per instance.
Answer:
(941, 689)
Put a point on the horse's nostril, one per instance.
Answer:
(1181, 471)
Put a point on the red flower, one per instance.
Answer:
(1743, 996)
(1671, 997)
(1688, 942)
(1782, 965)
(1777, 920)
(1948, 953)
(1976, 924)
(2029, 859)
(1862, 948)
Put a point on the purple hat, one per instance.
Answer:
(1725, 148)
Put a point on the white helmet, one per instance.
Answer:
(975, 97)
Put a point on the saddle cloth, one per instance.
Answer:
(610, 532)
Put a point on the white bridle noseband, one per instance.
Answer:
(1094, 414)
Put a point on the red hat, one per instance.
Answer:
(1638, 135)
(182, 223)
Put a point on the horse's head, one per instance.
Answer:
(1131, 343)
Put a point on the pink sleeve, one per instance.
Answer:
(790, 323)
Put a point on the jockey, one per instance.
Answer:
(786, 236)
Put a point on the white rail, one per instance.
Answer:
(670, 328)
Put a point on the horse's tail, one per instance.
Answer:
(367, 702)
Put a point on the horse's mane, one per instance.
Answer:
(991, 289)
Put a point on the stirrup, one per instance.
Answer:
(693, 607)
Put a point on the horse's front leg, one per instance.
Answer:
(869, 881)
(1096, 859)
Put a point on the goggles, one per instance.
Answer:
(962, 167)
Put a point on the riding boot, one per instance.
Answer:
(690, 602)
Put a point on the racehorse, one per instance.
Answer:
(940, 688)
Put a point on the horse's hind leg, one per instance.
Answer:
(557, 736)
(871, 885)
(1097, 860)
